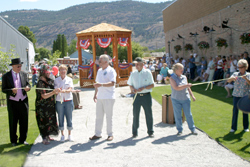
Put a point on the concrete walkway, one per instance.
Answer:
(165, 149)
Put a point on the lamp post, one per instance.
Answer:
(169, 48)
(27, 51)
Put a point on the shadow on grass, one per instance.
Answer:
(243, 149)
(8, 149)
(218, 93)
(231, 137)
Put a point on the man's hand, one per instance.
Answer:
(95, 99)
(97, 85)
(14, 90)
(27, 88)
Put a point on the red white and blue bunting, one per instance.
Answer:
(124, 66)
(104, 42)
(84, 44)
(123, 41)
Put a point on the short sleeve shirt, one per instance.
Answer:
(105, 76)
(241, 87)
(64, 84)
(141, 79)
(180, 94)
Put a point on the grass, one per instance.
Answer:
(15, 156)
(75, 81)
(212, 113)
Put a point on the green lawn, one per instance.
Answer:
(15, 156)
(212, 113)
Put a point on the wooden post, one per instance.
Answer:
(94, 55)
(129, 51)
(79, 60)
(115, 53)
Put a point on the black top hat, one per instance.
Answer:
(16, 61)
(244, 104)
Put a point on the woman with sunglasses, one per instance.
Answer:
(241, 88)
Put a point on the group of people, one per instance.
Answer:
(15, 84)
(56, 96)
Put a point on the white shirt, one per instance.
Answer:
(232, 68)
(64, 84)
(105, 76)
(183, 63)
(220, 62)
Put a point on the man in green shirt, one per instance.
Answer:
(141, 83)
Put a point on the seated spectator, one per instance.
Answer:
(228, 87)
(206, 74)
(212, 69)
(203, 65)
(218, 74)
(163, 73)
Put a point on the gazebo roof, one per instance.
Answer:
(103, 27)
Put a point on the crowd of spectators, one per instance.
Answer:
(199, 68)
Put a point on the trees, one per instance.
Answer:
(42, 53)
(5, 58)
(28, 34)
(61, 45)
(53, 58)
(72, 47)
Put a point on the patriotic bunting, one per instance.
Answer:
(124, 66)
(83, 44)
(113, 59)
(104, 42)
(123, 41)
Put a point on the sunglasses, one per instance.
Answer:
(241, 67)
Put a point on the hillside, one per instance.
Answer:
(144, 19)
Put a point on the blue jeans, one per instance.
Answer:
(178, 105)
(235, 115)
(65, 109)
(34, 79)
(198, 70)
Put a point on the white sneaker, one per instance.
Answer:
(62, 139)
(70, 138)
(246, 130)
(232, 130)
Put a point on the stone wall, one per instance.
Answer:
(237, 12)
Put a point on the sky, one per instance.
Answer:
(55, 5)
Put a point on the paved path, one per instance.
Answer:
(165, 149)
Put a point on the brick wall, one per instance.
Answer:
(195, 14)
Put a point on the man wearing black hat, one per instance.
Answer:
(17, 101)
(141, 82)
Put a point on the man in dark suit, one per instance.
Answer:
(17, 101)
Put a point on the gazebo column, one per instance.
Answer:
(94, 55)
(115, 54)
(129, 53)
(79, 60)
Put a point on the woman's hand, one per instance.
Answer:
(245, 77)
(193, 98)
(56, 91)
(189, 85)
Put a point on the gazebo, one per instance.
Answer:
(104, 34)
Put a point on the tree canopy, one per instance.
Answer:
(28, 34)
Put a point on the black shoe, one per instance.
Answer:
(151, 135)
(14, 144)
(134, 136)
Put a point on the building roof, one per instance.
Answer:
(85, 55)
(104, 27)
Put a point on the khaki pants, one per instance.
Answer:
(104, 106)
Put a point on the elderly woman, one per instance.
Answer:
(180, 97)
(163, 73)
(241, 88)
(64, 101)
(45, 105)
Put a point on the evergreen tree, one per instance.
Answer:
(59, 43)
(64, 46)
(54, 48)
